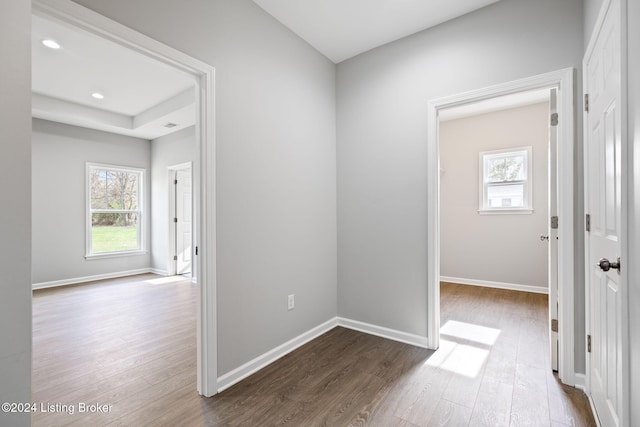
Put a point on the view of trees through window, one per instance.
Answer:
(115, 209)
(505, 169)
(505, 180)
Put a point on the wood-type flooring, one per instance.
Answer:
(130, 344)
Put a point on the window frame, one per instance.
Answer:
(527, 182)
(140, 211)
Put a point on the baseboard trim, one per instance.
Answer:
(581, 384)
(227, 380)
(159, 272)
(498, 285)
(76, 280)
(380, 331)
(580, 381)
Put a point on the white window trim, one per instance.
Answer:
(88, 211)
(528, 187)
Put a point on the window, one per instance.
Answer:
(114, 211)
(505, 181)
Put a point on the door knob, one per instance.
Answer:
(606, 265)
(543, 237)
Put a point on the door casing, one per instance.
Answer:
(563, 81)
(76, 16)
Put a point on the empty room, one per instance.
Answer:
(305, 289)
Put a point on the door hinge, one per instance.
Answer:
(196, 250)
(175, 182)
(588, 343)
(554, 222)
(586, 102)
(554, 119)
(175, 257)
(554, 325)
(175, 219)
(587, 222)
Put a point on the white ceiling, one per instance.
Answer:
(141, 95)
(145, 95)
(341, 29)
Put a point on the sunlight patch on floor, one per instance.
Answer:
(165, 280)
(461, 359)
(470, 332)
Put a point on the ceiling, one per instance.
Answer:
(341, 29)
(140, 99)
(143, 97)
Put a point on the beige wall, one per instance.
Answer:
(503, 248)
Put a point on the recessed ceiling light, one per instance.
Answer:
(51, 44)
(97, 95)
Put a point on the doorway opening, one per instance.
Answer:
(80, 19)
(562, 83)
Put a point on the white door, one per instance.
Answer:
(183, 221)
(553, 227)
(603, 205)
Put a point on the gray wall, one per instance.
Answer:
(276, 166)
(633, 93)
(382, 134)
(173, 149)
(59, 157)
(591, 10)
(15, 215)
(470, 243)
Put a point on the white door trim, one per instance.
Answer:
(626, 166)
(71, 14)
(563, 80)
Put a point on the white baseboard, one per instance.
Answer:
(380, 331)
(76, 280)
(159, 272)
(581, 381)
(499, 285)
(242, 372)
(581, 384)
(227, 380)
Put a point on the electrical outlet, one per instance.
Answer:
(291, 302)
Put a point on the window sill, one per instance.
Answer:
(505, 211)
(89, 257)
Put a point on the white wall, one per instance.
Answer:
(60, 154)
(382, 134)
(170, 150)
(15, 215)
(502, 248)
(276, 166)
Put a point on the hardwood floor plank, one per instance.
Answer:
(493, 405)
(130, 343)
(530, 403)
(450, 414)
